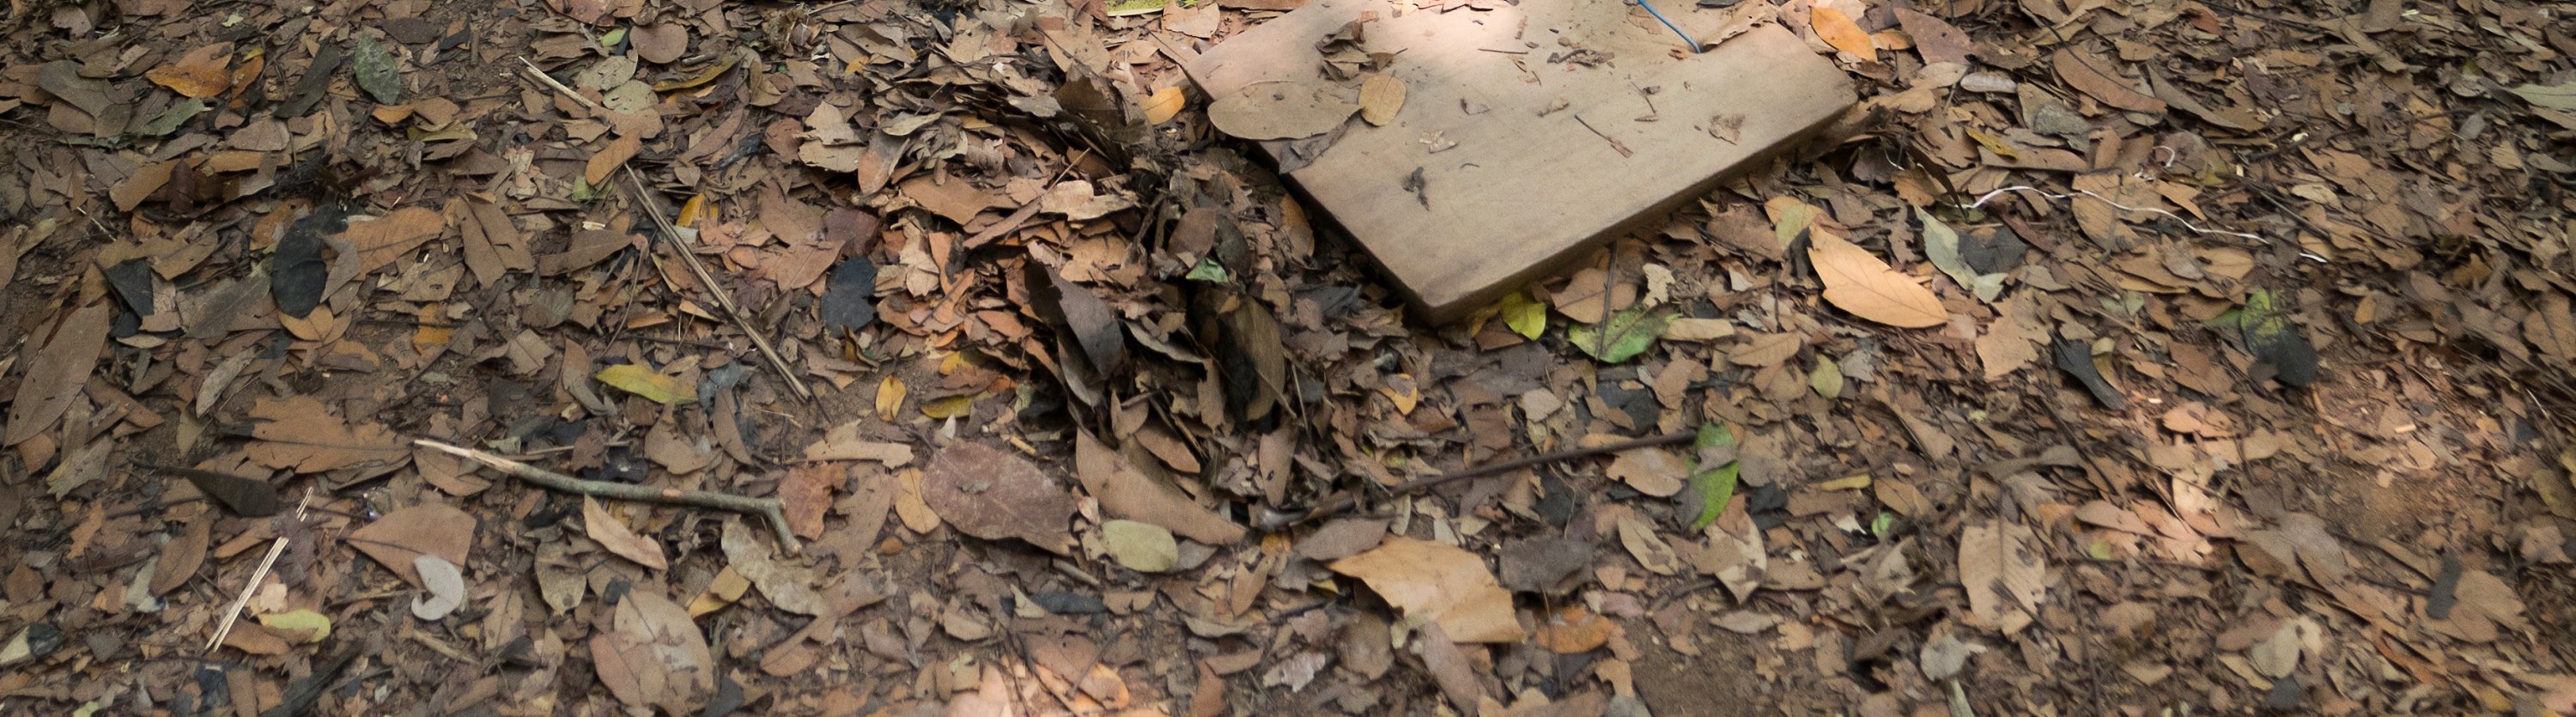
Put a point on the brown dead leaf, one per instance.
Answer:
(2000, 565)
(1934, 38)
(610, 158)
(382, 240)
(843, 443)
(1860, 283)
(1282, 110)
(2083, 71)
(181, 557)
(991, 494)
(425, 529)
(1652, 471)
(805, 494)
(1125, 492)
(203, 72)
(617, 538)
(57, 372)
(1163, 105)
(1445, 585)
(654, 655)
(1575, 630)
(298, 432)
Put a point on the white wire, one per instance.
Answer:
(2186, 223)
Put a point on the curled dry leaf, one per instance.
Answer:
(1125, 492)
(1838, 30)
(446, 586)
(1440, 583)
(1282, 110)
(1860, 283)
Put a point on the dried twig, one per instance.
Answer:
(724, 299)
(768, 508)
(1338, 503)
(559, 87)
(275, 548)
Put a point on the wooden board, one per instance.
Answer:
(1551, 158)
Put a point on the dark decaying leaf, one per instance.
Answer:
(850, 295)
(1070, 307)
(2076, 358)
(1543, 564)
(246, 497)
(1992, 251)
(132, 280)
(315, 83)
(1250, 355)
(297, 273)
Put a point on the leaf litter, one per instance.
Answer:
(2242, 303)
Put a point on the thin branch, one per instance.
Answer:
(1336, 504)
(723, 299)
(768, 508)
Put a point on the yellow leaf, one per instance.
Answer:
(1401, 389)
(1838, 30)
(1526, 316)
(695, 209)
(950, 407)
(641, 381)
(1163, 105)
(304, 626)
(890, 394)
(728, 587)
(1868, 288)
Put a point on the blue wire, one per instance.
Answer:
(1677, 29)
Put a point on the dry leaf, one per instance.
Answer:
(382, 240)
(298, 432)
(805, 494)
(425, 529)
(987, 493)
(654, 655)
(1282, 110)
(1575, 630)
(619, 539)
(446, 586)
(1164, 104)
(1381, 96)
(1439, 583)
(2000, 565)
(1859, 283)
(1652, 471)
(57, 372)
(843, 443)
(202, 73)
(2085, 71)
(1142, 547)
(1125, 492)
(1838, 30)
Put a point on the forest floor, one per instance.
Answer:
(1019, 385)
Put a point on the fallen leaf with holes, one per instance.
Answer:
(1440, 583)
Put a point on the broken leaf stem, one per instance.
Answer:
(767, 508)
(1345, 501)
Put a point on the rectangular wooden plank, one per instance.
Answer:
(1539, 131)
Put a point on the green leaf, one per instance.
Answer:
(2559, 97)
(1827, 378)
(1880, 525)
(1208, 271)
(374, 67)
(170, 119)
(2263, 330)
(613, 38)
(1621, 337)
(582, 191)
(1526, 316)
(641, 381)
(1714, 485)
